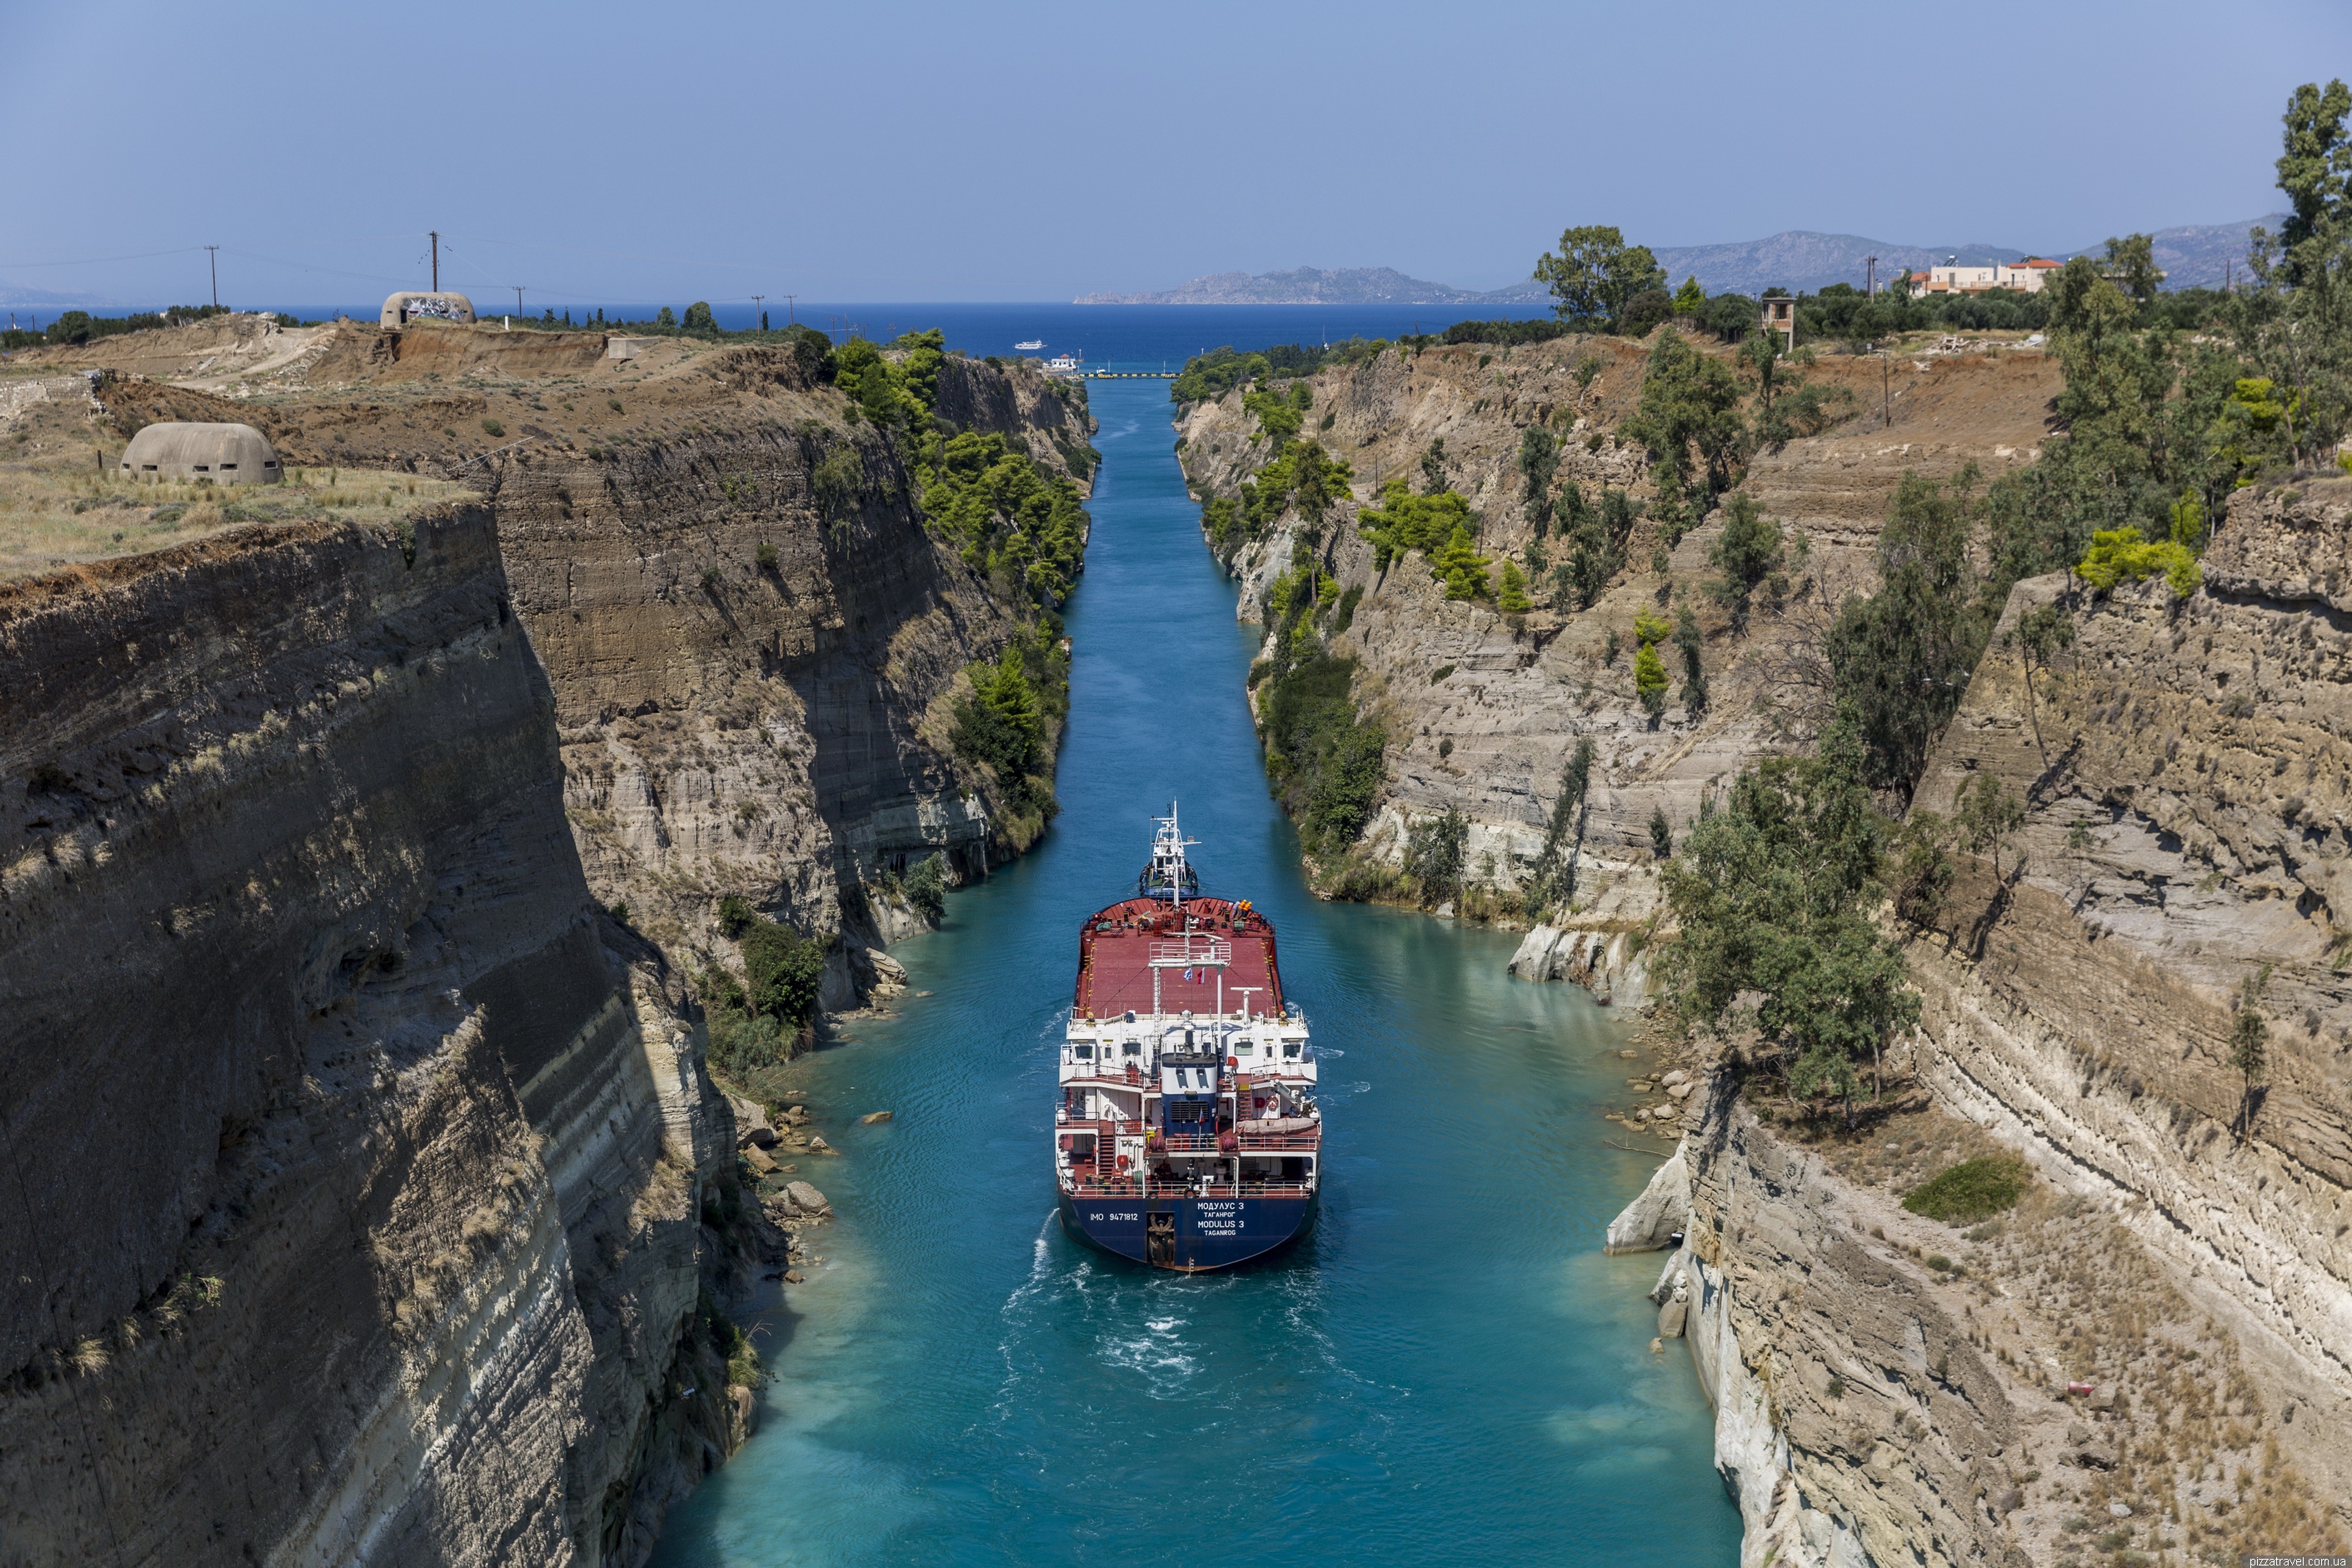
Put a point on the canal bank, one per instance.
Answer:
(1448, 1370)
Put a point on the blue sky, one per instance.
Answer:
(605, 153)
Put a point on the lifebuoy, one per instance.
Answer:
(1232, 1063)
(1122, 1162)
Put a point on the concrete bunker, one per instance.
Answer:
(223, 454)
(399, 309)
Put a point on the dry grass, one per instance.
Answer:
(57, 508)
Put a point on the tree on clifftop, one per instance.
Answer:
(1595, 272)
(1774, 895)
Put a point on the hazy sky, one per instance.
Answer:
(602, 153)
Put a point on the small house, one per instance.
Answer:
(399, 309)
(223, 454)
(1780, 316)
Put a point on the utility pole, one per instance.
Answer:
(1886, 387)
(1870, 277)
(757, 300)
(790, 319)
(214, 256)
(436, 259)
(518, 289)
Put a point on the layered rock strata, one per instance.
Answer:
(2185, 770)
(360, 1162)
(2160, 1326)
(753, 684)
(1483, 708)
(1889, 1389)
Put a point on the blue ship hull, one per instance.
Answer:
(1207, 1233)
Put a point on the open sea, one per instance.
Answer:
(1447, 1372)
(1109, 336)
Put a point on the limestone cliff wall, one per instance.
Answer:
(2187, 770)
(753, 686)
(1856, 1421)
(1484, 708)
(2181, 1256)
(358, 1162)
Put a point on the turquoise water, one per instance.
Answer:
(1447, 1372)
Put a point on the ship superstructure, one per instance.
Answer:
(1188, 1134)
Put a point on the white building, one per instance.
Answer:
(2025, 276)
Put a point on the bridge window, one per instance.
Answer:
(1084, 1053)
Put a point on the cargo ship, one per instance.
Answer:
(1187, 1136)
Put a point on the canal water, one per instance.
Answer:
(1448, 1370)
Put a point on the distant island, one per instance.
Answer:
(1323, 286)
(2192, 256)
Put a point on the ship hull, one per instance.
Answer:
(1208, 1232)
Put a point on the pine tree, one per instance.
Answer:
(1461, 568)
(1515, 600)
(1650, 681)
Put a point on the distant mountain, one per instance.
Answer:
(2198, 255)
(1800, 260)
(1320, 285)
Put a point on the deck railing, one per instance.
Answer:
(1116, 1189)
(1245, 1141)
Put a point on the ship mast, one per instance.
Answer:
(1168, 846)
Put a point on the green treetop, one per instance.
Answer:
(1774, 895)
(1515, 600)
(2315, 168)
(1650, 681)
(1404, 520)
(1461, 568)
(1594, 272)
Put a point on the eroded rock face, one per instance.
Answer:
(1855, 1421)
(413, 1229)
(2189, 796)
(753, 695)
(1483, 710)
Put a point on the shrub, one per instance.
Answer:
(1434, 854)
(1440, 673)
(2116, 554)
(927, 886)
(1645, 311)
(1971, 1192)
(492, 428)
(837, 481)
(765, 555)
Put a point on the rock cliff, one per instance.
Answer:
(375, 1200)
(1483, 708)
(2160, 1326)
(362, 1161)
(751, 683)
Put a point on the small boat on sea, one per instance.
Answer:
(1032, 343)
(1188, 1135)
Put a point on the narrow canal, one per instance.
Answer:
(1447, 1372)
